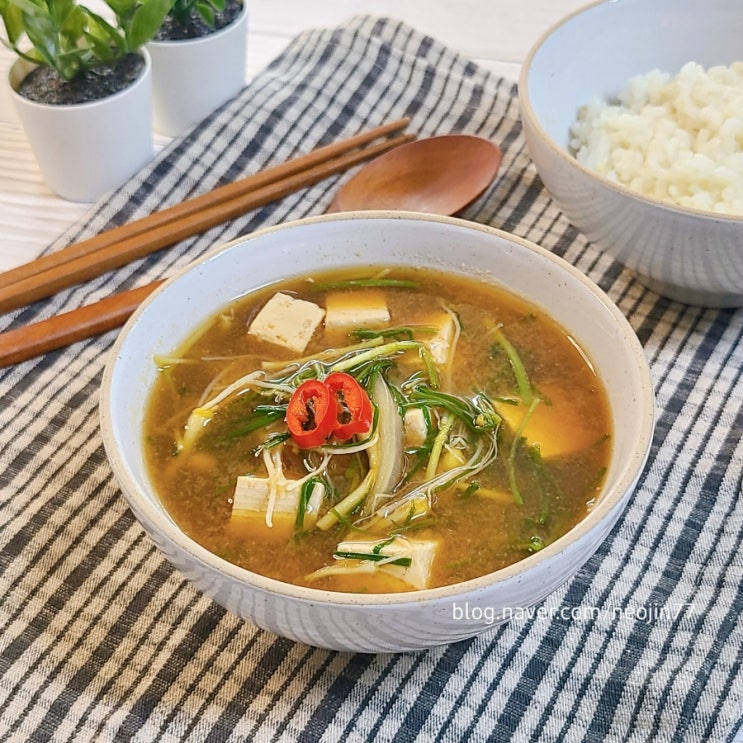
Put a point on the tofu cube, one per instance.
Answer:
(401, 516)
(440, 344)
(359, 309)
(555, 425)
(287, 321)
(408, 512)
(420, 553)
(414, 424)
(251, 496)
(250, 503)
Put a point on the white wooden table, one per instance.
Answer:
(495, 33)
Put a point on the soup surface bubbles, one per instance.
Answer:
(380, 432)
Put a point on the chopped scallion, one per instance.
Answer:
(536, 544)
(470, 489)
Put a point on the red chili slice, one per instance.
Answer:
(312, 414)
(354, 408)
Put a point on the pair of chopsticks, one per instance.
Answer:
(108, 250)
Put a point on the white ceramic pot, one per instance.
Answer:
(193, 77)
(383, 622)
(84, 150)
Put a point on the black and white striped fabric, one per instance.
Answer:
(101, 640)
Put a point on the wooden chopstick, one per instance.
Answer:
(21, 344)
(67, 328)
(90, 265)
(185, 209)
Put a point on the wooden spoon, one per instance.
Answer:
(439, 175)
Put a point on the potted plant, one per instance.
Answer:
(198, 61)
(82, 89)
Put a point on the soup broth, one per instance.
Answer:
(390, 430)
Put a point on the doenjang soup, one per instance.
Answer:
(387, 431)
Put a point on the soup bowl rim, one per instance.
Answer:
(145, 508)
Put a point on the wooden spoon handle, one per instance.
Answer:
(59, 331)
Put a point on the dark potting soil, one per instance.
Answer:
(194, 27)
(45, 85)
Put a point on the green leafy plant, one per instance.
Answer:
(71, 38)
(184, 11)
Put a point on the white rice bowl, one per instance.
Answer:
(686, 253)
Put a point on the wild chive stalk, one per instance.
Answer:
(523, 384)
(261, 416)
(445, 424)
(545, 481)
(348, 505)
(397, 334)
(511, 464)
(485, 452)
(476, 412)
(388, 349)
(305, 494)
(374, 557)
(527, 396)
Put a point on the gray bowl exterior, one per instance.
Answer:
(437, 618)
(691, 256)
(395, 622)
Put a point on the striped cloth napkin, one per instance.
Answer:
(101, 640)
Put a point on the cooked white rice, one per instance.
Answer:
(677, 139)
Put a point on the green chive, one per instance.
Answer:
(374, 557)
